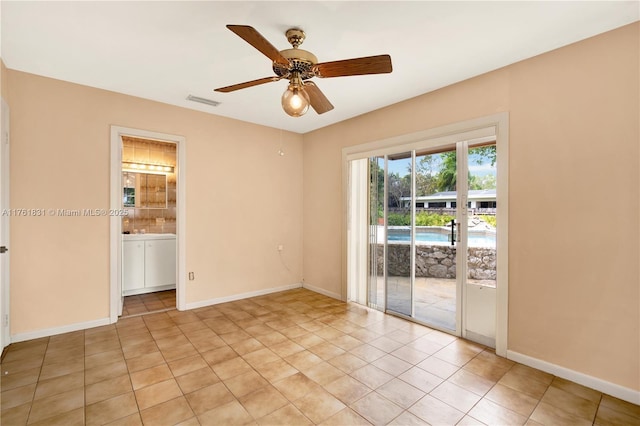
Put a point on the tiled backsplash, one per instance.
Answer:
(143, 219)
(151, 221)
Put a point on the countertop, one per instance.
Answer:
(142, 237)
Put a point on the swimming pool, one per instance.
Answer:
(440, 235)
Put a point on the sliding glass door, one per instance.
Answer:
(431, 230)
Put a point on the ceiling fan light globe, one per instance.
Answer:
(295, 101)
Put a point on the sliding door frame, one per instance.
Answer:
(498, 125)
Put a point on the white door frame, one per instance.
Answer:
(5, 305)
(462, 194)
(115, 262)
(496, 124)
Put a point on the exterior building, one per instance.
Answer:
(480, 201)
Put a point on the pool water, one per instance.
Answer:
(477, 240)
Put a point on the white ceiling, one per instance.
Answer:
(165, 51)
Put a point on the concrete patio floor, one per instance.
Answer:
(435, 298)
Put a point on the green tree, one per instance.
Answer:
(426, 176)
(398, 187)
(447, 177)
(484, 152)
(487, 182)
(376, 187)
(474, 182)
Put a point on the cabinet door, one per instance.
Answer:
(160, 263)
(132, 265)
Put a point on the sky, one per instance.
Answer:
(484, 168)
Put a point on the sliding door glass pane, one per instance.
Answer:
(435, 281)
(398, 234)
(481, 256)
(376, 233)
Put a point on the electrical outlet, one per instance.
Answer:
(192, 276)
(280, 247)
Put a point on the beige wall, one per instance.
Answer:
(574, 197)
(243, 199)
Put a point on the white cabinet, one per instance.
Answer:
(159, 263)
(148, 263)
(132, 265)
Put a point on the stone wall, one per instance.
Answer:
(438, 261)
(482, 263)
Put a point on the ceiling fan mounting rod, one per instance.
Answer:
(295, 36)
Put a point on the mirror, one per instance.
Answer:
(144, 190)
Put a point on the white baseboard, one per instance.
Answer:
(321, 291)
(240, 296)
(21, 337)
(621, 392)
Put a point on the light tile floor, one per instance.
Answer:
(289, 358)
(149, 302)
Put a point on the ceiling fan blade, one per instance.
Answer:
(247, 84)
(359, 66)
(319, 101)
(254, 38)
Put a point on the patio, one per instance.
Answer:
(435, 298)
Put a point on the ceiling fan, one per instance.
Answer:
(299, 66)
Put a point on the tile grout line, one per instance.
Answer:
(38, 380)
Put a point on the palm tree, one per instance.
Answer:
(446, 179)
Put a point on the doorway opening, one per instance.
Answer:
(147, 237)
(149, 228)
(426, 216)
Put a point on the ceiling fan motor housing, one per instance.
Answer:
(301, 62)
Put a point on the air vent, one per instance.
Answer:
(203, 100)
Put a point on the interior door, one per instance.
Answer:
(130, 180)
(5, 216)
